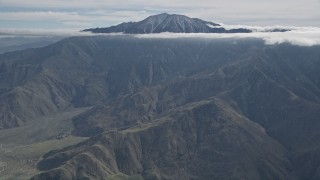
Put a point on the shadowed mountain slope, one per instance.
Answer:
(201, 140)
(171, 108)
(85, 71)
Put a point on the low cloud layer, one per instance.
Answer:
(301, 36)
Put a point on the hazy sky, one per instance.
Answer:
(78, 14)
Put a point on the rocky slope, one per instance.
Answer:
(204, 140)
(171, 108)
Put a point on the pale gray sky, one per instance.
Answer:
(20, 15)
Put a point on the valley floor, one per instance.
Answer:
(21, 148)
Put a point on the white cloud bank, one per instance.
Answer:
(301, 36)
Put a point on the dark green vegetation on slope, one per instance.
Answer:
(171, 108)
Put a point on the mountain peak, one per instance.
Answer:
(165, 22)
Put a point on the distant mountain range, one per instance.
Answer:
(8, 44)
(173, 23)
(170, 23)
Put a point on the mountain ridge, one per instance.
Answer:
(169, 108)
(165, 22)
